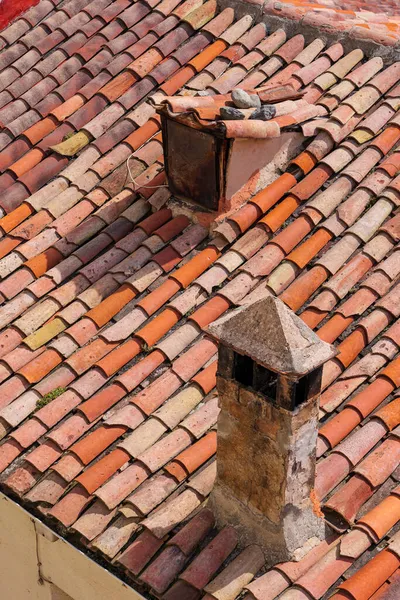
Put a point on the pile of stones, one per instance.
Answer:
(247, 105)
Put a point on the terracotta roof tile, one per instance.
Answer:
(69, 431)
(68, 509)
(96, 475)
(201, 570)
(97, 441)
(140, 552)
(237, 574)
(370, 577)
(382, 518)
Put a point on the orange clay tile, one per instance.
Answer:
(246, 216)
(302, 288)
(119, 357)
(94, 443)
(331, 330)
(44, 261)
(305, 161)
(117, 86)
(274, 192)
(136, 139)
(39, 130)
(83, 345)
(8, 244)
(292, 234)
(101, 402)
(84, 358)
(177, 471)
(178, 80)
(367, 400)
(392, 371)
(158, 327)
(390, 414)
(102, 470)
(33, 225)
(156, 299)
(342, 596)
(196, 266)
(341, 425)
(145, 63)
(35, 370)
(312, 317)
(109, 307)
(141, 370)
(192, 458)
(302, 255)
(199, 453)
(383, 517)
(371, 576)
(200, 61)
(206, 379)
(312, 182)
(66, 109)
(210, 311)
(386, 140)
(351, 346)
(27, 162)
(17, 216)
(285, 121)
(280, 213)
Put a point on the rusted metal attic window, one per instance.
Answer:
(193, 162)
(217, 159)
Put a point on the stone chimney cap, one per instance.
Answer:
(273, 336)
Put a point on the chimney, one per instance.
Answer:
(269, 384)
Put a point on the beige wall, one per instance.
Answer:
(35, 564)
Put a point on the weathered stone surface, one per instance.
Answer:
(264, 113)
(244, 100)
(273, 336)
(229, 113)
(273, 444)
(290, 540)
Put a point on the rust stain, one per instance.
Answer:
(316, 506)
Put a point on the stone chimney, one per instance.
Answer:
(269, 383)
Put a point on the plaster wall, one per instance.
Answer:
(36, 564)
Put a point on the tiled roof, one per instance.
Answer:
(108, 406)
(362, 20)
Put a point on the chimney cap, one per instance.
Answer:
(273, 336)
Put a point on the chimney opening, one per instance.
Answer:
(294, 392)
(250, 374)
(289, 393)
